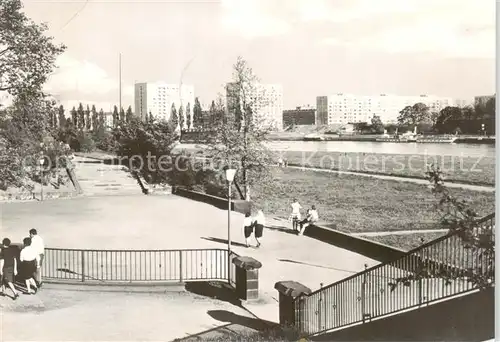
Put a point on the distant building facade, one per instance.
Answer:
(299, 116)
(349, 108)
(157, 99)
(266, 102)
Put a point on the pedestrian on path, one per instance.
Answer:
(247, 228)
(312, 217)
(39, 246)
(259, 223)
(295, 216)
(8, 267)
(30, 261)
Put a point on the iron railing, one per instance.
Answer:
(136, 266)
(437, 270)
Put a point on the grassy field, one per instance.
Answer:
(472, 170)
(407, 241)
(359, 204)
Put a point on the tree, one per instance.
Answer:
(151, 118)
(240, 141)
(449, 120)
(95, 119)
(74, 116)
(128, 115)
(116, 117)
(102, 119)
(212, 114)
(81, 116)
(88, 123)
(181, 118)
(411, 116)
(174, 120)
(472, 243)
(61, 117)
(27, 55)
(377, 125)
(188, 116)
(122, 115)
(197, 114)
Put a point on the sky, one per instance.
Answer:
(311, 47)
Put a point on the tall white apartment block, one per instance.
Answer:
(157, 99)
(266, 101)
(348, 108)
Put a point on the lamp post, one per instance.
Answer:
(229, 177)
(42, 162)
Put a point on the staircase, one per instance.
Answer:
(433, 273)
(99, 179)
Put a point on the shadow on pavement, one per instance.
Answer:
(215, 290)
(315, 265)
(282, 229)
(224, 241)
(249, 322)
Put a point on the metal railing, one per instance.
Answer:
(136, 266)
(434, 271)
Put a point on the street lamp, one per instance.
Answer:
(42, 162)
(229, 177)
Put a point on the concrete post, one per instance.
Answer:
(247, 277)
(289, 291)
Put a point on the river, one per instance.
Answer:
(471, 150)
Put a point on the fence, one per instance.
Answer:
(437, 270)
(136, 266)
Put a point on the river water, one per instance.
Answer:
(470, 150)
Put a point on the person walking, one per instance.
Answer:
(30, 261)
(259, 223)
(39, 246)
(247, 228)
(295, 216)
(8, 267)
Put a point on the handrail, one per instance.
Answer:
(430, 273)
(410, 252)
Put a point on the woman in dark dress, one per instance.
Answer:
(29, 263)
(259, 223)
(247, 227)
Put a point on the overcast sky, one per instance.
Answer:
(311, 47)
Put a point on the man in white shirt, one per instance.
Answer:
(311, 218)
(295, 213)
(39, 247)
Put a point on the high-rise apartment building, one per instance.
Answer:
(157, 99)
(348, 108)
(266, 101)
(299, 116)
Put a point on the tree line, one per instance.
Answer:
(476, 119)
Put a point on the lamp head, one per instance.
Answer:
(230, 174)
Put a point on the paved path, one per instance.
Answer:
(62, 315)
(171, 222)
(400, 179)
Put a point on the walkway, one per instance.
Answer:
(400, 179)
(99, 179)
(171, 222)
(65, 315)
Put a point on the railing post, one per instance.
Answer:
(363, 295)
(83, 265)
(181, 278)
(320, 304)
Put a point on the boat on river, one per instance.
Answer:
(313, 137)
(418, 138)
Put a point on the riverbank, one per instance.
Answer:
(458, 169)
(293, 136)
(357, 204)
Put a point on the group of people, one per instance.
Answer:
(25, 265)
(254, 225)
(299, 224)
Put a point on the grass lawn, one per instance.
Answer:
(472, 170)
(407, 241)
(360, 204)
